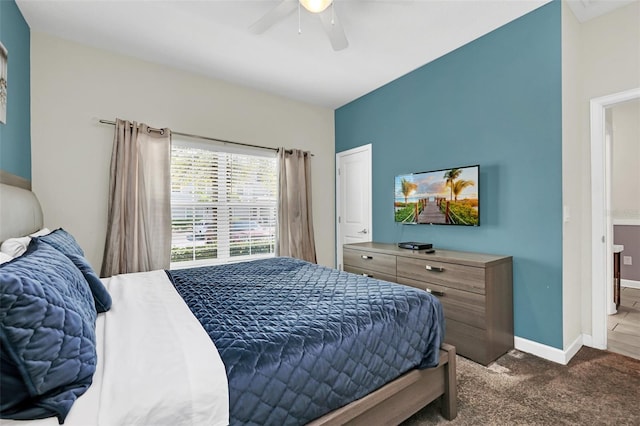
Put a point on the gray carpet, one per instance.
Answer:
(595, 388)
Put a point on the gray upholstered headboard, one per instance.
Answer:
(20, 212)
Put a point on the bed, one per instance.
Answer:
(202, 346)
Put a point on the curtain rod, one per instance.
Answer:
(113, 123)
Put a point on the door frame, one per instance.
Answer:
(339, 155)
(601, 220)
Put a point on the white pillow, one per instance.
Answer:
(41, 233)
(4, 258)
(16, 247)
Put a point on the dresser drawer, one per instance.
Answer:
(461, 277)
(470, 342)
(377, 262)
(475, 290)
(371, 274)
(463, 306)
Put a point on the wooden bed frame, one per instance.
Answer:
(21, 214)
(400, 399)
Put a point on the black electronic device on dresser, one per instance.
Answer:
(412, 245)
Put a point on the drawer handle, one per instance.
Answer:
(434, 268)
(365, 257)
(367, 275)
(435, 292)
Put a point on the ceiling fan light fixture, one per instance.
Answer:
(316, 6)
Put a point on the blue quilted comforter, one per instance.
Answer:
(299, 340)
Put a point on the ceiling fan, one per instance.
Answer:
(322, 8)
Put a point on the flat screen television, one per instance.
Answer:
(439, 197)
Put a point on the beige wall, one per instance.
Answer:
(608, 62)
(571, 166)
(610, 52)
(625, 167)
(625, 185)
(73, 86)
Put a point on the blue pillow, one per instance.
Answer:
(47, 334)
(63, 241)
(101, 296)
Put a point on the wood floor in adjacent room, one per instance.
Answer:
(623, 334)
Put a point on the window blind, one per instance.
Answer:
(223, 203)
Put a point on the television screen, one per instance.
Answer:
(444, 197)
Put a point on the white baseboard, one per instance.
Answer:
(573, 349)
(587, 340)
(630, 283)
(548, 352)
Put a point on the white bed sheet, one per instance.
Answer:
(156, 364)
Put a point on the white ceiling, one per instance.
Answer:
(387, 39)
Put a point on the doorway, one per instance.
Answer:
(623, 326)
(353, 198)
(601, 218)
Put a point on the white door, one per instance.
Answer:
(353, 198)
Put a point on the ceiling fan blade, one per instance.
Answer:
(284, 8)
(334, 29)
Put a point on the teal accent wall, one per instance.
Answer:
(15, 135)
(495, 102)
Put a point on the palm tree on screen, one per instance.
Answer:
(450, 177)
(407, 188)
(459, 186)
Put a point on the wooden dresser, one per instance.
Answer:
(476, 291)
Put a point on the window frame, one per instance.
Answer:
(225, 229)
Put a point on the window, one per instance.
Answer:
(223, 203)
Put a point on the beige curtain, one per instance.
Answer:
(139, 215)
(295, 222)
